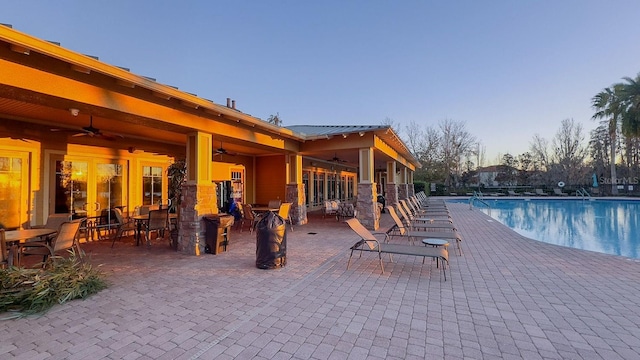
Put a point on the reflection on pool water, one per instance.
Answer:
(606, 226)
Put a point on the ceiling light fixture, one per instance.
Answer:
(74, 112)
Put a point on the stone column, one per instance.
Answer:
(368, 211)
(412, 190)
(392, 194)
(295, 195)
(197, 201)
(403, 191)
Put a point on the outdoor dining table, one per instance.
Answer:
(140, 220)
(14, 237)
(261, 209)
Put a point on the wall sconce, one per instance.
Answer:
(361, 133)
(344, 136)
(74, 112)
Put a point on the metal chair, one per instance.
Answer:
(283, 212)
(124, 225)
(66, 239)
(250, 216)
(158, 222)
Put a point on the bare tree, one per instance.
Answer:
(456, 143)
(539, 149)
(415, 139)
(392, 124)
(570, 152)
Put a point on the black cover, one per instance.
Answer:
(217, 233)
(271, 242)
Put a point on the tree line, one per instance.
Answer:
(450, 155)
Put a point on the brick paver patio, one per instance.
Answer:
(507, 297)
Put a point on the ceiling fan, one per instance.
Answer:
(222, 151)
(91, 131)
(335, 158)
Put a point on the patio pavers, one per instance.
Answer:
(507, 297)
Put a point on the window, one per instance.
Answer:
(305, 181)
(151, 185)
(318, 187)
(331, 186)
(237, 185)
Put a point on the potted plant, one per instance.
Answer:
(177, 174)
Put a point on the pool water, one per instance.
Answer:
(606, 226)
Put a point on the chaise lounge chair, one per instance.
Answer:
(559, 192)
(539, 192)
(368, 242)
(403, 231)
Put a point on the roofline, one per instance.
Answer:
(25, 43)
(84, 63)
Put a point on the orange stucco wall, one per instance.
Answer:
(270, 178)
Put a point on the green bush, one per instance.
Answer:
(32, 291)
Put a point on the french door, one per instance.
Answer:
(86, 186)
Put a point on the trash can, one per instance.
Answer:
(217, 233)
(271, 242)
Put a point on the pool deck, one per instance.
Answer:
(507, 297)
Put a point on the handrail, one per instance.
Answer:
(583, 192)
(477, 196)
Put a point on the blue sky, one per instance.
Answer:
(508, 69)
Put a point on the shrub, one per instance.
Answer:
(32, 291)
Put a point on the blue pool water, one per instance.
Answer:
(606, 226)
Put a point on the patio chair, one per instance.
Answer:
(369, 242)
(330, 208)
(123, 226)
(158, 222)
(284, 213)
(274, 204)
(53, 222)
(248, 216)
(66, 239)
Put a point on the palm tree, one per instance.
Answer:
(630, 97)
(609, 107)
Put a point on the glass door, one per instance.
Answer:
(71, 195)
(13, 189)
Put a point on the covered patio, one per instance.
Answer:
(508, 297)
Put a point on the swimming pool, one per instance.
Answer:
(606, 226)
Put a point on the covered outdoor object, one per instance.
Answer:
(271, 242)
(217, 232)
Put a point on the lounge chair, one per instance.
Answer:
(369, 242)
(411, 235)
(539, 192)
(528, 193)
(513, 193)
(559, 192)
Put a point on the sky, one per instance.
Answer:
(507, 69)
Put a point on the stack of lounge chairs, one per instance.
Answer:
(421, 219)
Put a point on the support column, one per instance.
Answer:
(198, 195)
(366, 203)
(391, 189)
(295, 192)
(412, 188)
(403, 187)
